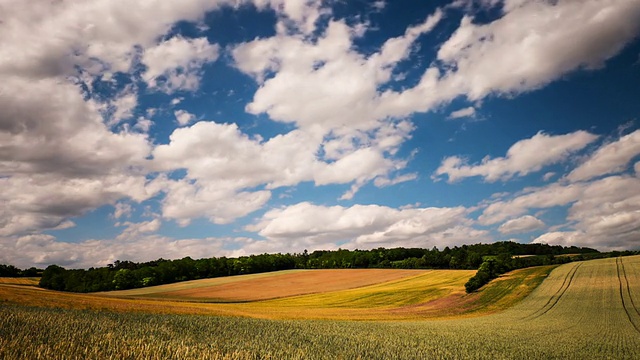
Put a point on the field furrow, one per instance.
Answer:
(553, 300)
(625, 295)
(634, 303)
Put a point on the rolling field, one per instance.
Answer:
(390, 295)
(280, 284)
(583, 310)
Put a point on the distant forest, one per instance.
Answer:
(495, 258)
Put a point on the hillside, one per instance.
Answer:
(581, 310)
(366, 294)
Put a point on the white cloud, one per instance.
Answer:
(366, 226)
(143, 124)
(563, 238)
(521, 225)
(463, 113)
(58, 159)
(36, 202)
(323, 85)
(384, 182)
(524, 157)
(538, 198)
(544, 40)
(135, 230)
(122, 209)
(60, 156)
(222, 163)
(379, 5)
(608, 159)
(296, 14)
(48, 38)
(531, 45)
(221, 204)
(175, 64)
(122, 106)
(184, 117)
(42, 250)
(604, 213)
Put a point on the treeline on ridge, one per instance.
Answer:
(12, 271)
(127, 275)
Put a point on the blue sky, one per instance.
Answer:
(134, 131)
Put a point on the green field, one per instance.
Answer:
(582, 310)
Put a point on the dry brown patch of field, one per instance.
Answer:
(30, 281)
(290, 284)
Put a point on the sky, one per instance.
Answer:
(138, 130)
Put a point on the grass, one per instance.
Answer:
(584, 310)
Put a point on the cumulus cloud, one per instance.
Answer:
(67, 147)
(563, 238)
(544, 40)
(524, 157)
(122, 209)
(605, 213)
(296, 15)
(58, 156)
(184, 117)
(41, 249)
(221, 204)
(366, 226)
(608, 159)
(36, 202)
(323, 84)
(58, 159)
(221, 163)
(175, 64)
(521, 225)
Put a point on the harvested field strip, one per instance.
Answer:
(196, 284)
(29, 281)
(421, 287)
(288, 284)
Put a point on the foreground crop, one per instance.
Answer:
(586, 310)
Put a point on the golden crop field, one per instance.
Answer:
(347, 295)
(279, 284)
(31, 281)
(582, 310)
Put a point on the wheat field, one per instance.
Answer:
(582, 310)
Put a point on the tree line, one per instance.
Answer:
(12, 271)
(127, 274)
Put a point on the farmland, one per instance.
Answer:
(581, 310)
(271, 285)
